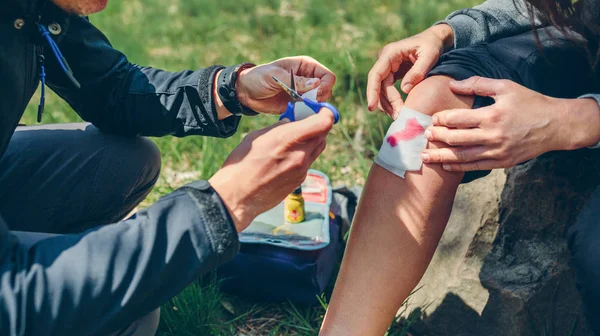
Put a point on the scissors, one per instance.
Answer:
(295, 97)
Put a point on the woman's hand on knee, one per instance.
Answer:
(410, 59)
(521, 125)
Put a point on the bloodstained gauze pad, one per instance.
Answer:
(404, 143)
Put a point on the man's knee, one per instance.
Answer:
(433, 95)
(138, 159)
(148, 157)
(130, 168)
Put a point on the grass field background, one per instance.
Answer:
(345, 35)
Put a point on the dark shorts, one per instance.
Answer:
(560, 68)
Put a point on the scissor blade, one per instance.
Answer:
(292, 81)
(294, 96)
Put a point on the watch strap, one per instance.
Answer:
(226, 89)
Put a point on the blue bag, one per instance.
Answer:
(279, 268)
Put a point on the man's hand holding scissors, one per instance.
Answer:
(257, 90)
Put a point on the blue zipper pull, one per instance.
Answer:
(61, 61)
(41, 60)
(59, 56)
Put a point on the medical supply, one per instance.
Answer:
(292, 114)
(294, 207)
(404, 142)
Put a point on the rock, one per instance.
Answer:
(502, 265)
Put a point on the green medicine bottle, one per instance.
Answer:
(294, 207)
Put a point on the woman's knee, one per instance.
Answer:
(433, 95)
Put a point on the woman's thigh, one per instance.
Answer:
(550, 63)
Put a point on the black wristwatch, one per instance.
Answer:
(226, 89)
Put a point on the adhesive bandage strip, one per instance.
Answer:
(404, 142)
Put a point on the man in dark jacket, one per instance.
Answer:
(58, 181)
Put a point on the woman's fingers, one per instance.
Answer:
(457, 137)
(388, 63)
(459, 118)
(423, 64)
(481, 86)
(392, 94)
(457, 154)
(385, 106)
(473, 166)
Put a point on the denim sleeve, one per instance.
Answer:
(102, 280)
(120, 97)
(490, 21)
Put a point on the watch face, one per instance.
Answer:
(224, 91)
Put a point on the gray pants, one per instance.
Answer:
(57, 179)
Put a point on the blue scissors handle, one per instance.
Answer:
(289, 112)
(313, 105)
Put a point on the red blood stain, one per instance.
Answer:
(412, 130)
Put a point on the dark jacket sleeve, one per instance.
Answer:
(489, 21)
(120, 97)
(102, 280)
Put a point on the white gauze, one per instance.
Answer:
(404, 143)
(301, 111)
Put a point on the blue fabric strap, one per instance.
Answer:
(62, 62)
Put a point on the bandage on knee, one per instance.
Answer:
(404, 142)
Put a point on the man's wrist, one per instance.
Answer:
(582, 123)
(241, 89)
(227, 90)
(240, 214)
(222, 111)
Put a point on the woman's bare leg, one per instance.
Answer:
(396, 230)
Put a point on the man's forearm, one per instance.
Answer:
(120, 97)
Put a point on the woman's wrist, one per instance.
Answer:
(580, 123)
(445, 33)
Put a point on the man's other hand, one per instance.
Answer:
(269, 164)
(257, 90)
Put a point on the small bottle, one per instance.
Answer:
(294, 207)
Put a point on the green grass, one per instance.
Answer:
(345, 35)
